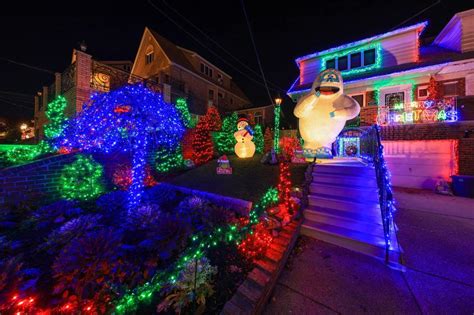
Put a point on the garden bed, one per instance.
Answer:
(84, 257)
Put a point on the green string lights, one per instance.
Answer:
(258, 139)
(81, 180)
(182, 107)
(200, 243)
(276, 135)
(55, 114)
(224, 140)
(169, 159)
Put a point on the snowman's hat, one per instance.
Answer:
(243, 119)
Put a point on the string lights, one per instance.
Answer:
(130, 119)
(258, 138)
(81, 180)
(57, 118)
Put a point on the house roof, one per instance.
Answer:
(179, 55)
(421, 26)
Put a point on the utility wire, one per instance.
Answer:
(26, 65)
(256, 51)
(200, 43)
(243, 64)
(15, 104)
(417, 14)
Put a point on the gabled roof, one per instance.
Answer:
(179, 56)
(420, 26)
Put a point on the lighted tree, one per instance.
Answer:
(268, 140)
(57, 118)
(258, 139)
(284, 188)
(225, 140)
(130, 119)
(167, 160)
(182, 106)
(433, 90)
(202, 142)
(213, 118)
(81, 180)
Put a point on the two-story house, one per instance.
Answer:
(161, 65)
(181, 69)
(391, 76)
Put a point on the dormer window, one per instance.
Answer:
(357, 60)
(149, 55)
(205, 69)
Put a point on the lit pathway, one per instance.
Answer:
(325, 279)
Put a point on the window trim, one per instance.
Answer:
(422, 87)
(448, 83)
(363, 98)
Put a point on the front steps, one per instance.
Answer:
(344, 210)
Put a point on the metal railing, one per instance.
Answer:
(371, 150)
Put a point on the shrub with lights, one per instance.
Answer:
(57, 119)
(224, 140)
(167, 160)
(258, 139)
(202, 143)
(81, 180)
(131, 119)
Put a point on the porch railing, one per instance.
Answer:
(371, 150)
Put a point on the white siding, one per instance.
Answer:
(400, 49)
(467, 43)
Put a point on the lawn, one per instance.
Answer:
(249, 181)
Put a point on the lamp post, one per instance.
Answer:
(276, 136)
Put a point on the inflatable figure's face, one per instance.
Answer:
(241, 125)
(328, 84)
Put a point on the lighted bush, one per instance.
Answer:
(288, 146)
(81, 180)
(122, 177)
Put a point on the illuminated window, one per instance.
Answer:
(100, 82)
(206, 70)
(450, 89)
(394, 99)
(369, 57)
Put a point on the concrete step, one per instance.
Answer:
(347, 180)
(344, 203)
(372, 218)
(344, 170)
(367, 225)
(356, 193)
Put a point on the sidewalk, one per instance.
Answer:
(321, 278)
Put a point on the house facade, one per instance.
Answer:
(420, 91)
(183, 70)
(159, 64)
(262, 115)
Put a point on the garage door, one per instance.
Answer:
(420, 164)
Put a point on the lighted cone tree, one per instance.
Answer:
(433, 90)
(202, 142)
(130, 119)
(224, 140)
(258, 139)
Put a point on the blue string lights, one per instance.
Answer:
(130, 119)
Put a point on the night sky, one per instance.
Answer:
(283, 31)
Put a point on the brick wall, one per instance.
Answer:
(437, 131)
(368, 115)
(37, 178)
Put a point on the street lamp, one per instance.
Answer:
(276, 136)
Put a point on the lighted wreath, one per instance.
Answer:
(351, 150)
(81, 180)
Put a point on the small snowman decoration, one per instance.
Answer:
(244, 148)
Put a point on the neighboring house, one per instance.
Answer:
(263, 115)
(389, 75)
(161, 65)
(183, 70)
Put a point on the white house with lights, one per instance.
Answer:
(391, 76)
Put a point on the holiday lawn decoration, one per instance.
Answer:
(244, 148)
(223, 166)
(130, 119)
(298, 157)
(323, 113)
(224, 140)
(258, 139)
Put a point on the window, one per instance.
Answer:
(331, 64)
(369, 57)
(356, 60)
(149, 55)
(393, 99)
(220, 80)
(450, 89)
(211, 94)
(206, 70)
(220, 95)
(342, 63)
(359, 98)
(258, 118)
(422, 92)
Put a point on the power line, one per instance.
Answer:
(415, 15)
(256, 51)
(14, 104)
(26, 65)
(218, 45)
(200, 43)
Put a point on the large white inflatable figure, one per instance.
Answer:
(244, 148)
(323, 113)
